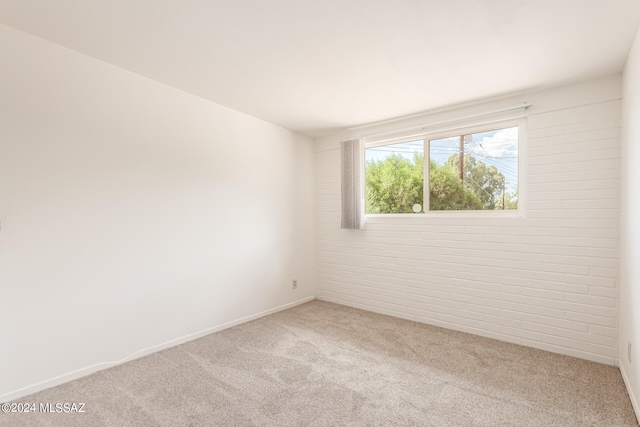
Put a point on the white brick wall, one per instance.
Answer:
(547, 280)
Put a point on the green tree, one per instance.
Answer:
(485, 181)
(510, 201)
(447, 191)
(394, 184)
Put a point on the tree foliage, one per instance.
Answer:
(510, 201)
(485, 181)
(395, 184)
(447, 191)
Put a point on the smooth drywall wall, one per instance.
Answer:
(630, 227)
(135, 215)
(547, 279)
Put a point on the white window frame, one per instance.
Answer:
(426, 137)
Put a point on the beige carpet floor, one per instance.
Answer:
(322, 364)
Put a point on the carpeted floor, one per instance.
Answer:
(322, 364)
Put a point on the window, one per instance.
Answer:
(469, 170)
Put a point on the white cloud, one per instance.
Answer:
(502, 143)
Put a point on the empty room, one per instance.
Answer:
(319, 213)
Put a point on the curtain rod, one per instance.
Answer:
(524, 106)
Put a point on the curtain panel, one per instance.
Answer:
(352, 180)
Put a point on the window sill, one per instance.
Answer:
(434, 215)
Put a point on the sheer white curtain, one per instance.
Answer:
(352, 183)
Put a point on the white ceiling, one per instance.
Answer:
(320, 66)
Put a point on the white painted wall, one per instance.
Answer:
(135, 215)
(630, 227)
(547, 280)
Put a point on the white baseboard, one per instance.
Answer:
(34, 388)
(634, 401)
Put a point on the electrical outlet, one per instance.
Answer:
(294, 284)
(629, 351)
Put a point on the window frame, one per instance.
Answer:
(427, 136)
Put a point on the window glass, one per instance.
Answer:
(477, 171)
(467, 171)
(395, 178)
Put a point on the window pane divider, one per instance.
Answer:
(426, 197)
